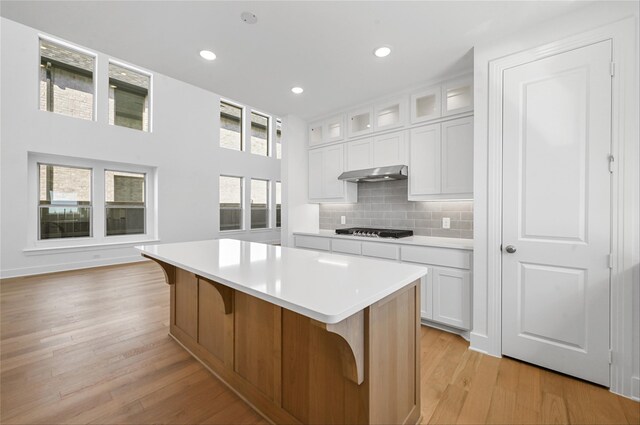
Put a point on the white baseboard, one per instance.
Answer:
(464, 334)
(480, 343)
(52, 268)
(635, 388)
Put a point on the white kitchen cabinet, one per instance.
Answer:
(451, 297)
(359, 155)
(389, 149)
(424, 161)
(457, 156)
(426, 105)
(325, 165)
(441, 161)
(457, 96)
(327, 131)
(390, 114)
(360, 121)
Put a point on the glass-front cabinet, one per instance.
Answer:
(457, 96)
(360, 122)
(425, 105)
(334, 128)
(389, 114)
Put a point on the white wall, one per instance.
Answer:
(483, 336)
(298, 215)
(184, 146)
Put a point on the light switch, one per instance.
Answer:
(343, 219)
(446, 223)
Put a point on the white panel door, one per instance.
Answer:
(389, 150)
(359, 155)
(424, 160)
(457, 156)
(451, 297)
(556, 212)
(315, 173)
(332, 167)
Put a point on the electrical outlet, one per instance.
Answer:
(446, 223)
(343, 219)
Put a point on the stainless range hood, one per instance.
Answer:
(380, 174)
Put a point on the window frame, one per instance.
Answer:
(94, 72)
(52, 205)
(98, 224)
(243, 191)
(243, 115)
(143, 207)
(269, 130)
(269, 225)
(275, 204)
(149, 92)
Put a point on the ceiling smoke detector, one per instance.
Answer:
(248, 18)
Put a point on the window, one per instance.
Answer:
(230, 203)
(278, 204)
(259, 204)
(66, 81)
(230, 126)
(124, 203)
(128, 98)
(259, 134)
(64, 207)
(279, 138)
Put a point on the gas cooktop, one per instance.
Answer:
(375, 233)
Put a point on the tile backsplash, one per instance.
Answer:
(385, 204)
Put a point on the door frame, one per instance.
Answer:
(625, 186)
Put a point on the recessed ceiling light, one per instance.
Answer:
(207, 54)
(297, 90)
(382, 51)
(123, 73)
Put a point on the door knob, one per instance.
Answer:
(510, 249)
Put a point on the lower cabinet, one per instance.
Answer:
(445, 290)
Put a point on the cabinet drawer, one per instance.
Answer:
(309, 242)
(346, 247)
(437, 256)
(380, 250)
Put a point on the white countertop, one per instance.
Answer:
(323, 286)
(411, 240)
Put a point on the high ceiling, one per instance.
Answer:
(324, 47)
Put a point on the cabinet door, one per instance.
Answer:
(332, 167)
(334, 128)
(359, 155)
(360, 122)
(451, 297)
(425, 105)
(424, 161)
(426, 296)
(315, 134)
(457, 156)
(457, 96)
(389, 150)
(315, 174)
(389, 114)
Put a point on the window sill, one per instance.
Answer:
(88, 247)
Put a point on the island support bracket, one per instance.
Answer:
(351, 330)
(168, 269)
(225, 292)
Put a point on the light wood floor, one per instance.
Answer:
(92, 347)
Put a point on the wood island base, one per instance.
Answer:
(293, 369)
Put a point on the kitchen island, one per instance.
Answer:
(302, 336)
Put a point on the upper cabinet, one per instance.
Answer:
(441, 161)
(389, 114)
(360, 121)
(379, 151)
(325, 165)
(425, 105)
(450, 98)
(327, 131)
(457, 96)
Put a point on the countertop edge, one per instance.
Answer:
(400, 241)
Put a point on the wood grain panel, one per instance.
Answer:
(257, 346)
(215, 328)
(186, 303)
